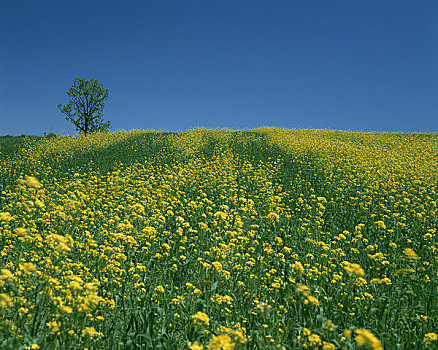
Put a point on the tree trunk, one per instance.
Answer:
(86, 126)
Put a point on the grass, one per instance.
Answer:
(218, 239)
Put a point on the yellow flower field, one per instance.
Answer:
(219, 239)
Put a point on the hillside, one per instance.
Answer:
(219, 239)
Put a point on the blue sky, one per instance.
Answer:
(175, 65)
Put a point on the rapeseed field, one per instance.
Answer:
(219, 239)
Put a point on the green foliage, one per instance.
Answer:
(85, 107)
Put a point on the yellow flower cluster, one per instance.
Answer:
(201, 317)
(278, 236)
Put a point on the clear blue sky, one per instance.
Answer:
(175, 65)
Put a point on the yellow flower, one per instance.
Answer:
(203, 225)
(322, 199)
(159, 289)
(221, 215)
(273, 216)
(39, 203)
(54, 326)
(66, 309)
(5, 216)
(365, 337)
(74, 285)
(381, 224)
(20, 231)
(404, 271)
(314, 340)
(430, 337)
(32, 182)
(23, 311)
(5, 274)
(28, 267)
(313, 300)
(32, 347)
(221, 342)
(200, 316)
(5, 300)
(237, 334)
(328, 346)
(89, 332)
(217, 265)
(195, 346)
(303, 289)
(410, 254)
(59, 242)
(177, 300)
(353, 268)
(298, 267)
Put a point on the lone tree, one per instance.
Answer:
(84, 110)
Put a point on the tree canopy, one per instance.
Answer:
(85, 107)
